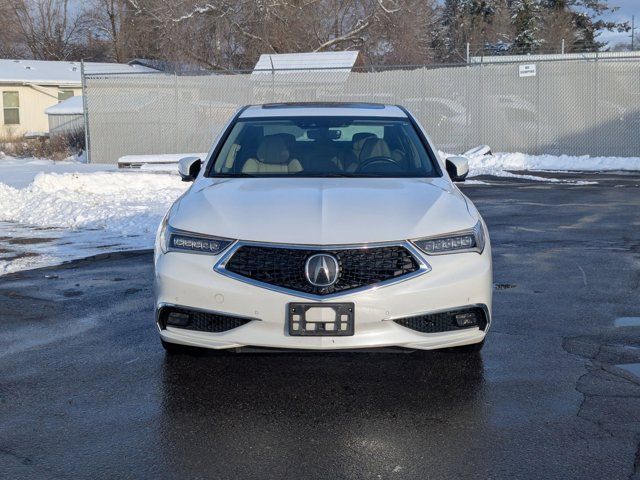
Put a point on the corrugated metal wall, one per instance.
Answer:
(568, 107)
(63, 124)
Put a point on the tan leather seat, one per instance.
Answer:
(378, 147)
(375, 147)
(357, 142)
(273, 157)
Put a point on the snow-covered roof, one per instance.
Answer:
(41, 72)
(70, 106)
(296, 61)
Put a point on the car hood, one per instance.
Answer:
(322, 210)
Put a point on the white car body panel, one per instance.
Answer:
(455, 280)
(322, 212)
(319, 211)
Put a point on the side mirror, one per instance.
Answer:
(189, 168)
(457, 168)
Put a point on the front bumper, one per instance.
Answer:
(455, 281)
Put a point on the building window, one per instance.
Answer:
(64, 94)
(11, 108)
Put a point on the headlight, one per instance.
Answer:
(179, 241)
(466, 241)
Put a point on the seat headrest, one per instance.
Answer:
(358, 139)
(289, 140)
(375, 147)
(273, 150)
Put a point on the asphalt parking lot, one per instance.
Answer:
(87, 392)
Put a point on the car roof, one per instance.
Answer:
(321, 109)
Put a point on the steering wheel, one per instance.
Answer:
(379, 160)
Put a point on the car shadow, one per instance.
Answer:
(238, 402)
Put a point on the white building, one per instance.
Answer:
(29, 87)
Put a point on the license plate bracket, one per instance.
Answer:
(321, 319)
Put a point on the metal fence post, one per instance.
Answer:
(85, 114)
(467, 104)
(273, 81)
(538, 108)
(175, 112)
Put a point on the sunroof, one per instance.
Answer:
(370, 106)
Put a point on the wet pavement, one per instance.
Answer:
(87, 392)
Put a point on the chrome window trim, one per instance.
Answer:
(423, 266)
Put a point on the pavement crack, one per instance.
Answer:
(636, 465)
(587, 349)
(584, 275)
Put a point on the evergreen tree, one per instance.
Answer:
(526, 22)
(586, 18)
(468, 21)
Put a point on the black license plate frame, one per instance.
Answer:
(300, 326)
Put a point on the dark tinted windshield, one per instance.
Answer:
(323, 147)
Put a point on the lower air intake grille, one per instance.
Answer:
(198, 321)
(443, 322)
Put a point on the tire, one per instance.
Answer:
(177, 349)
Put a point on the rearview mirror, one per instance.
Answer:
(189, 168)
(457, 168)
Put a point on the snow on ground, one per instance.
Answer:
(53, 212)
(504, 164)
(20, 172)
(563, 163)
(70, 210)
(129, 203)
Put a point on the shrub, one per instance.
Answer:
(56, 148)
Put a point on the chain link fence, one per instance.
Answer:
(575, 107)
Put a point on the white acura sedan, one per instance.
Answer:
(323, 226)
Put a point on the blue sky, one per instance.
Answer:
(627, 9)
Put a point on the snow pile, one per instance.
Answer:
(483, 162)
(127, 203)
(51, 212)
(499, 162)
(20, 172)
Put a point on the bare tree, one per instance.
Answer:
(109, 22)
(49, 28)
(233, 33)
(10, 40)
(558, 26)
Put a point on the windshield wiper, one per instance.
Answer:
(233, 175)
(321, 175)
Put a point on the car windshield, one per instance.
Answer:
(323, 147)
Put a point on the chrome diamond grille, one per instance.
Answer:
(358, 267)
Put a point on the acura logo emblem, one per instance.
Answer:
(321, 270)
